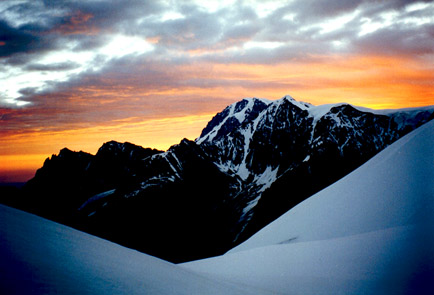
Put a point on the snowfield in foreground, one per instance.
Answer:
(38, 256)
(372, 232)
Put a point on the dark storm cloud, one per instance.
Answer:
(106, 14)
(70, 21)
(13, 41)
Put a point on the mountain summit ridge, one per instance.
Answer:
(252, 162)
(286, 135)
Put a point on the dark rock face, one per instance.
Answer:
(330, 151)
(253, 161)
(290, 150)
(67, 180)
(179, 211)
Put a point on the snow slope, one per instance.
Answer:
(394, 188)
(38, 256)
(372, 232)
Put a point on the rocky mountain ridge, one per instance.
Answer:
(253, 161)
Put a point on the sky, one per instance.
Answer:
(77, 74)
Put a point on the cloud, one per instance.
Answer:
(62, 66)
(398, 40)
(179, 58)
(310, 9)
(79, 73)
(15, 41)
(197, 30)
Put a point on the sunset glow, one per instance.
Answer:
(77, 75)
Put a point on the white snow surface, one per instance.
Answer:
(240, 116)
(371, 232)
(317, 112)
(96, 198)
(300, 104)
(38, 256)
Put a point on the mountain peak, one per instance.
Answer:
(301, 104)
(253, 161)
(232, 117)
(184, 143)
(64, 152)
(114, 148)
(242, 112)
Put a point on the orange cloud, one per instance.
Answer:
(372, 81)
(135, 110)
(153, 40)
(77, 23)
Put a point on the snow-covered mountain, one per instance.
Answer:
(369, 233)
(246, 130)
(270, 146)
(253, 161)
